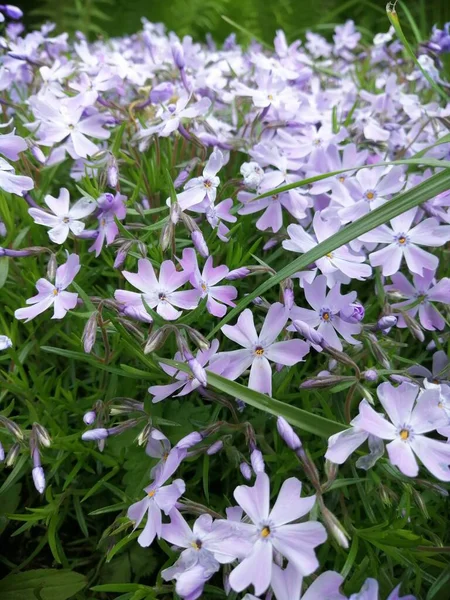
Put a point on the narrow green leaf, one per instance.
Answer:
(51, 584)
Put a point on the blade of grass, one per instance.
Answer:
(426, 190)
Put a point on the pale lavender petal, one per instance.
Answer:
(418, 259)
(169, 278)
(188, 299)
(434, 454)
(255, 500)
(273, 324)
(344, 443)
(289, 506)
(297, 543)
(315, 293)
(402, 456)
(145, 279)
(167, 496)
(161, 392)
(30, 312)
(398, 401)
(388, 258)
(167, 311)
(287, 583)
(261, 376)
(67, 272)
(64, 302)
(325, 587)
(374, 423)
(441, 291)
(137, 511)
(430, 318)
(287, 353)
(244, 332)
(43, 218)
(152, 527)
(256, 569)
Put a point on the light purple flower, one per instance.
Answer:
(5, 342)
(369, 591)
(440, 372)
(421, 293)
(207, 545)
(287, 585)
(411, 416)
(272, 530)
(259, 349)
(185, 382)
(12, 183)
(206, 283)
(339, 265)
(403, 240)
(325, 312)
(160, 294)
(50, 294)
(159, 498)
(11, 145)
(64, 218)
(203, 188)
(110, 208)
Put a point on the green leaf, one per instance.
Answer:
(426, 190)
(4, 268)
(51, 584)
(296, 416)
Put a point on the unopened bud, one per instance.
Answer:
(12, 12)
(144, 435)
(142, 249)
(200, 243)
(288, 294)
(12, 428)
(38, 154)
(5, 342)
(12, 455)
(112, 172)
(309, 333)
(51, 268)
(370, 375)
(2, 453)
(166, 236)
(189, 440)
(215, 448)
(335, 527)
(90, 332)
(377, 351)
(161, 93)
(178, 55)
(238, 273)
(198, 371)
(414, 327)
(198, 338)
(324, 382)
(39, 479)
(246, 471)
(387, 322)
(257, 460)
(157, 339)
(353, 313)
(185, 172)
(122, 254)
(89, 417)
(42, 435)
(288, 435)
(341, 357)
(252, 174)
(93, 435)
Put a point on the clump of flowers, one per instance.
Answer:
(230, 246)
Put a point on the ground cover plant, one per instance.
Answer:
(224, 338)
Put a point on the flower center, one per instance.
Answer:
(401, 239)
(151, 493)
(259, 350)
(66, 220)
(341, 179)
(265, 532)
(196, 545)
(326, 315)
(55, 291)
(275, 197)
(370, 195)
(269, 97)
(404, 434)
(329, 255)
(204, 287)
(207, 183)
(162, 296)
(317, 142)
(103, 222)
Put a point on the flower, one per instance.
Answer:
(5, 342)
(259, 349)
(403, 240)
(203, 188)
(207, 545)
(63, 219)
(206, 281)
(12, 183)
(339, 265)
(325, 313)
(185, 381)
(411, 414)
(419, 295)
(287, 585)
(50, 294)
(159, 293)
(159, 498)
(273, 530)
(110, 208)
(440, 372)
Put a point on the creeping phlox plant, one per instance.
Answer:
(205, 250)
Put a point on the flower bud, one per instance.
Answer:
(122, 253)
(14, 429)
(198, 371)
(199, 339)
(112, 172)
(377, 351)
(353, 313)
(178, 55)
(166, 237)
(200, 243)
(39, 479)
(252, 174)
(2, 453)
(334, 527)
(38, 154)
(387, 322)
(89, 417)
(185, 172)
(257, 460)
(414, 327)
(189, 440)
(288, 294)
(215, 448)
(90, 332)
(308, 333)
(51, 268)
(238, 273)
(161, 92)
(157, 339)
(245, 471)
(42, 435)
(12, 12)
(324, 382)
(93, 435)
(5, 342)
(144, 435)
(12, 455)
(288, 435)
(370, 375)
